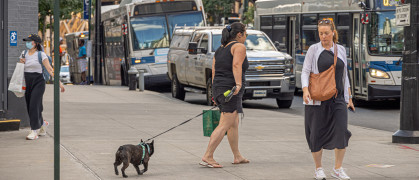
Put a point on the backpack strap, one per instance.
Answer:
(24, 53)
(40, 58)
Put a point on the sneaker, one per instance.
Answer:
(43, 129)
(340, 174)
(319, 174)
(32, 135)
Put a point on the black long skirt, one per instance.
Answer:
(326, 126)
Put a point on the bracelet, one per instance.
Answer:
(239, 85)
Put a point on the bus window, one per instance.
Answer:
(310, 20)
(280, 32)
(309, 38)
(149, 32)
(343, 22)
(384, 37)
(325, 16)
(266, 25)
(185, 19)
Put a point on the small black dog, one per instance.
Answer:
(134, 154)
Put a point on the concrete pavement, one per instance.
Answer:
(96, 120)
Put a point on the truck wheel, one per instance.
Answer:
(283, 103)
(209, 92)
(177, 89)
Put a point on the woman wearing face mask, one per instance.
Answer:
(35, 84)
(326, 125)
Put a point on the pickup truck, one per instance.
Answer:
(270, 73)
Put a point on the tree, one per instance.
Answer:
(46, 9)
(249, 15)
(216, 9)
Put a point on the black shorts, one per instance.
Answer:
(235, 102)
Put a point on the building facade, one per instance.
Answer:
(19, 19)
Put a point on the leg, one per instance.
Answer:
(126, 164)
(137, 167)
(145, 167)
(233, 139)
(35, 104)
(116, 164)
(226, 121)
(339, 155)
(317, 157)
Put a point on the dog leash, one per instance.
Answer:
(228, 95)
(184, 122)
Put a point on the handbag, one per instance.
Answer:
(322, 86)
(17, 82)
(210, 119)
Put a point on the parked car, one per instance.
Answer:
(65, 75)
(270, 74)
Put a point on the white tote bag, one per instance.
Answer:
(17, 83)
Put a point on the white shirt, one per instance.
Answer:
(310, 65)
(32, 62)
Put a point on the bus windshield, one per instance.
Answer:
(188, 19)
(149, 32)
(256, 42)
(384, 37)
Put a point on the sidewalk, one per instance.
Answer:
(96, 120)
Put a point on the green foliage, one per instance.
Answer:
(46, 8)
(249, 15)
(216, 9)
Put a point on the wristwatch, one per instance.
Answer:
(350, 97)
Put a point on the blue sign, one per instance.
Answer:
(86, 9)
(13, 38)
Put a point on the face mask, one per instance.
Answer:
(29, 45)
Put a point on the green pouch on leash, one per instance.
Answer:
(210, 120)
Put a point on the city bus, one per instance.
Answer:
(367, 30)
(138, 33)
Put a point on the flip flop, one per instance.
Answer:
(244, 161)
(203, 163)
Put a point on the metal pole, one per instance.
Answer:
(409, 114)
(98, 63)
(90, 38)
(56, 90)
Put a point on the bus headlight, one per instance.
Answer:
(375, 73)
(287, 70)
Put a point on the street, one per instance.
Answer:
(381, 115)
(96, 120)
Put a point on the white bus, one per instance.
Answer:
(367, 29)
(138, 33)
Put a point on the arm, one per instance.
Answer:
(305, 74)
(50, 70)
(239, 53)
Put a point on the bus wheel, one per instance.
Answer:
(209, 92)
(283, 103)
(177, 89)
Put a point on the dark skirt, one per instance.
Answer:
(326, 126)
(235, 102)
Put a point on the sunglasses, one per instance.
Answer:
(325, 21)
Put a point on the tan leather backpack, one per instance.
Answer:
(322, 86)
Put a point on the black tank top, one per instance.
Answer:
(224, 67)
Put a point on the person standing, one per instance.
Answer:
(35, 84)
(82, 61)
(229, 66)
(326, 125)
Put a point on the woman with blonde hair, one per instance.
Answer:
(326, 122)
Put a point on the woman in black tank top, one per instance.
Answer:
(228, 70)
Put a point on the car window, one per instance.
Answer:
(197, 37)
(204, 42)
